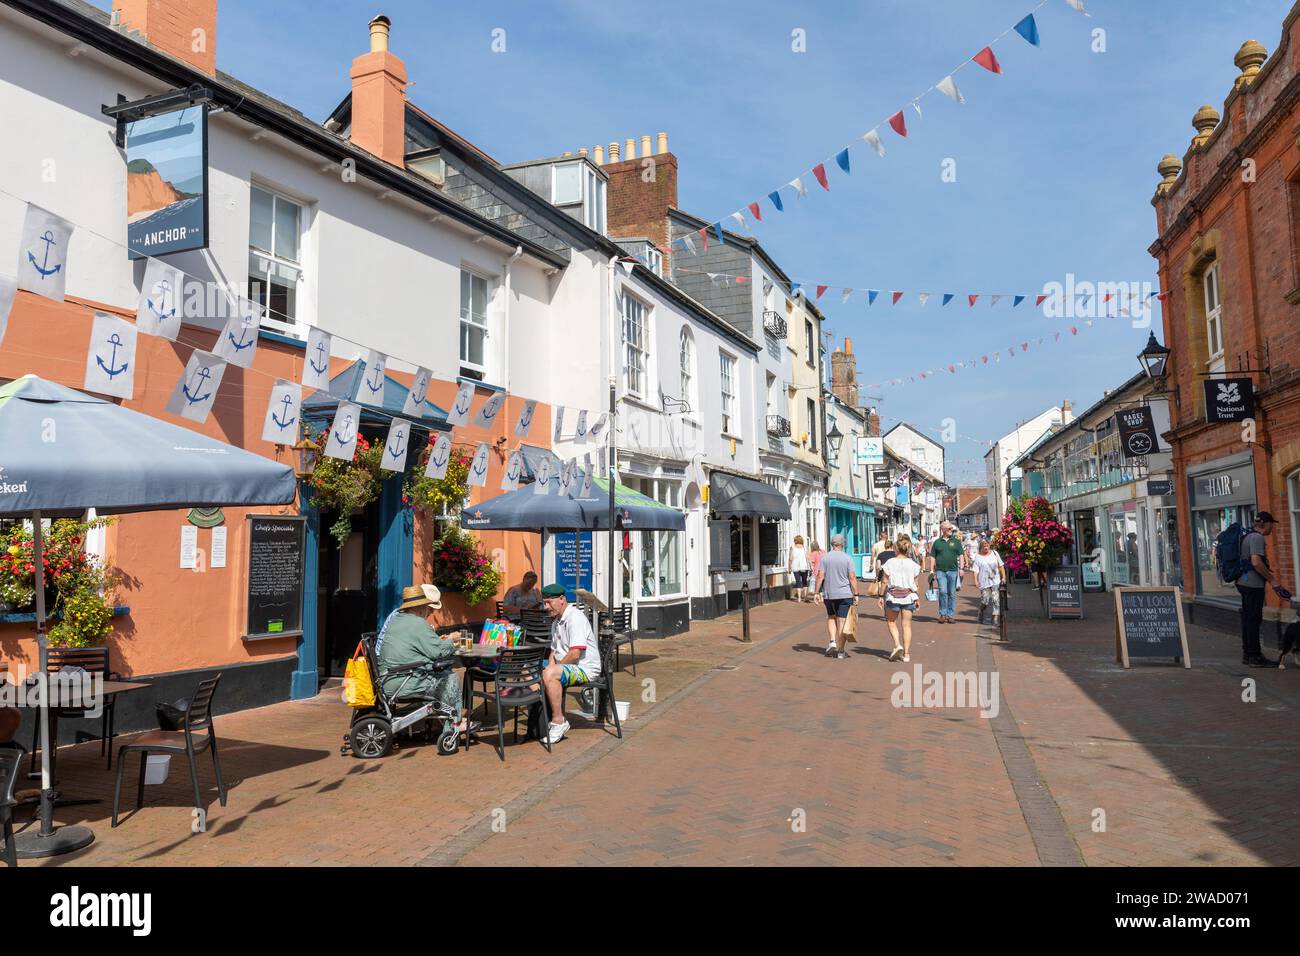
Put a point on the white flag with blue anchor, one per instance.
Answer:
(597, 428)
(342, 442)
(544, 475)
(566, 476)
(514, 471)
(489, 410)
(585, 490)
(559, 422)
(110, 360)
(371, 388)
(159, 311)
(196, 392)
(316, 363)
(459, 413)
(417, 398)
(238, 341)
(580, 429)
(43, 254)
(8, 290)
(282, 411)
(397, 445)
(439, 457)
(478, 468)
(526, 418)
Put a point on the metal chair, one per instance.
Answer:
(519, 678)
(93, 660)
(11, 759)
(198, 720)
(603, 686)
(621, 621)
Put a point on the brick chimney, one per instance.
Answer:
(640, 192)
(379, 98)
(873, 423)
(844, 374)
(1067, 412)
(185, 29)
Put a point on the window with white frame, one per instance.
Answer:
(727, 377)
(594, 207)
(686, 362)
(654, 260)
(1213, 314)
(274, 253)
(810, 343)
(566, 183)
(636, 354)
(782, 526)
(660, 558)
(1293, 494)
(473, 324)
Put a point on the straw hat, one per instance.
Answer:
(419, 595)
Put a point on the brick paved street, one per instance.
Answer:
(771, 753)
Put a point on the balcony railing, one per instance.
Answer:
(774, 324)
(778, 427)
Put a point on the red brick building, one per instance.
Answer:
(1228, 220)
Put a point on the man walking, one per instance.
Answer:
(947, 559)
(837, 588)
(1251, 588)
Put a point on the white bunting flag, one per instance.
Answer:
(43, 253)
(601, 461)
(238, 341)
(196, 392)
(513, 472)
(799, 188)
(8, 290)
(110, 360)
(316, 363)
(844, 296)
(690, 243)
(948, 87)
(1078, 5)
(740, 220)
(593, 433)
(439, 457)
(873, 140)
(994, 299)
(924, 297)
(371, 388)
(489, 410)
(628, 265)
(916, 105)
(478, 467)
(159, 311)
(459, 414)
(396, 446)
(281, 425)
(525, 421)
(580, 429)
(417, 398)
(342, 441)
(544, 475)
(559, 422)
(585, 490)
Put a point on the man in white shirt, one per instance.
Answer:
(575, 658)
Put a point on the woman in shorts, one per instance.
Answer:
(800, 567)
(899, 574)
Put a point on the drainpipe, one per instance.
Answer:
(612, 439)
(505, 315)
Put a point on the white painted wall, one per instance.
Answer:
(1008, 448)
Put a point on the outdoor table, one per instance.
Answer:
(62, 696)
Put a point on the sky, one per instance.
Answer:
(1054, 159)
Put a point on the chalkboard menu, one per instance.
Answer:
(276, 557)
(1065, 592)
(1149, 625)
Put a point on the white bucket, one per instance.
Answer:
(624, 708)
(156, 771)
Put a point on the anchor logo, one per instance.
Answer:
(320, 352)
(114, 340)
(490, 409)
(45, 269)
(467, 397)
(512, 470)
(480, 463)
(378, 383)
(420, 390)
(163, 291)
(441, 452)
(242, 343)
(400, 450)
(200, 376)
(544, 471)
(286, 401)
(349, 432)
(526, 416)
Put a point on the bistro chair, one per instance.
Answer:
(519, 678)
(11, 758)
(623, 634)
(603, 686)
(197, 736)
(93, 660)
(537, 627)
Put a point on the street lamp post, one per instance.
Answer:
(1155, 360)
(834, 439)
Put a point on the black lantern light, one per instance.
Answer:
(834, 438)
(1154, 358)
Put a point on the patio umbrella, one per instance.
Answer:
(523, 510)
(65, 452)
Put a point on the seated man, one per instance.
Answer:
(407, 638)
(575, 658)
(523, 595)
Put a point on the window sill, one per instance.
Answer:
(29, 617)
(479, 383)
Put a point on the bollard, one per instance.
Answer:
(1003, 601)
(744, 612)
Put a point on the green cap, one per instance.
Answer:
(553, 590)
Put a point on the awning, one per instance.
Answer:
(734, 495)
(851, 504)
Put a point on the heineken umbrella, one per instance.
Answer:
(65, 451)
(523, 510)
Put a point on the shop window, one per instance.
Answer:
(742, 545)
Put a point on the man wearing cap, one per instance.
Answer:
(407, 638)
(575, 658)
(1251, 588)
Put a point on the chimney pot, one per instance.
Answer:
(848, 345)
(379, 34)
(663, 143)
(581, 152)
(613, 151)
(645, 145)
(598, 152)
(629, 149)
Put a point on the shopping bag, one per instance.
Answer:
(932, 594)
(358, 689)
(850, 631)
(494, 632)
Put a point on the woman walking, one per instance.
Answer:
(799, 567)
(814, 560)
(900, 598)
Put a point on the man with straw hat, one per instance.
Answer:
(407, 638)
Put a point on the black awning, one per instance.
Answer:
(734, 495)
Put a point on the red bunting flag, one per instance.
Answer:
(899, 124)
(1162, 296)
(821, 289)
(1039, 301)
(897, 296)
(1105, 298)
(985, 358)
(820, 172)
(1024, 346)
(1074, 330)
(704, 234)
(972, 298)
(986, 59)
(756, 210)
(952, 368)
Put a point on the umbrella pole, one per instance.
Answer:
(48, 840)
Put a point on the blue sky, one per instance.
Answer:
(1055, 158)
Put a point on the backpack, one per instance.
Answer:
(1228, 558)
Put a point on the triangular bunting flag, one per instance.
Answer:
(898, 123)
(948, 87)
(994, 300)
(628, 265)
(795, 287)
(704, 236)
(842, 159)
(690, 244)
(923, 297)
(1017, 300)
(986, 59)
(871, 296)
(916, 105)
(740, 220)
(1038, 300)
(820, 290)
(717, 231)
(799, 189)
(1074, 330)
(1162, 296)
(757, 210)
(1028, 28)
(872, 139)
(820, 172)
(776, 200)
(1078, 5)
(897, 296)
(972, 298)
(844, 296)
(947, 297)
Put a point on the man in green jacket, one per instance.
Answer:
(408, 638)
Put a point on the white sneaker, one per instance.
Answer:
(557, 732)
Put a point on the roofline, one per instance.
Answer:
(1076, 424)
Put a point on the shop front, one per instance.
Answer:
(856, 520)
(1219, 493)
(746, 516)
(652, 564)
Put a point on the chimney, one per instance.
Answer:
(645, 145)
(629, 149)
(185, 29)
(613, 152)
(598, 154)
(873, 423)
(1067, 412)
(640, 192)
(379, 98)
(663, 143)
(844, 375)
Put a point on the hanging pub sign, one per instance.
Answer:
(167, 183)
(882, 480)
(1137, 432)
(1229, 399)
(1157, 487)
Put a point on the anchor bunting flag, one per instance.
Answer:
(478, 466)
(196, 391)
(601, 460)
(489, 410)
(594, 432)
(110, 360)
(281, 426)
(238, 341)
(8, 290)
(316, 362)
(948, 87)
(514, 470)
(439, 458)
(566, 476)
(585, 490)
(1028, 28)
(43, 254)
(986, 59)
(559, 423)
(371, 387)
(159, 311)
(342, 440)
(525, 418)
(872, 139)
(544, 475)
(417, 398)
(776, 200)
(458, 416)
(580, 429)
(396, 446)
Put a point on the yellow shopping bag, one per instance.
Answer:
(358, 689)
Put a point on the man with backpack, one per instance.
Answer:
(1243, 560)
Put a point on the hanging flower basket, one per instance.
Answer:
(1031, 539)
(438, 496)
(459, 564)
(344, 486)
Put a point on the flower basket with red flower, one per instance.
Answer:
(344, 486)
(1031, 538)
